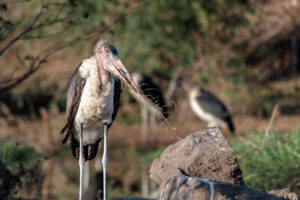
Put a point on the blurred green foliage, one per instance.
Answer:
(130, 119)
(270, 160)
(154, 37)
(25, 165)
(149, 157)
(163, 35)
(14, 155)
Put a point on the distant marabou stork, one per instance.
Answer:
(152, 99)
(92, 103)
(205, 105)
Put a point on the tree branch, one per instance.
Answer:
(39, 60)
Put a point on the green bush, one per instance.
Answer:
(270, 161)
(13, 155)
(25, 165)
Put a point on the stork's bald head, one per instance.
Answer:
(108, 58)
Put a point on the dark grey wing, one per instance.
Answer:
(117, 96)
(75, 87)
(153, 93)
(211, 104)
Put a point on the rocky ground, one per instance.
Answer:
(203, 166)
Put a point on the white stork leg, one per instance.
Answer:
(81, 162)
(104, 163)
(144, 130)
(86, 180)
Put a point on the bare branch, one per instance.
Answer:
(41, 58)
(7, 79)
(13, 41)
(44, 36)
(21, 61)
(38, 61)
(33, 68)
(13, 1)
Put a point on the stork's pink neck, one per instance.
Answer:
(102, 73)
(101, 61)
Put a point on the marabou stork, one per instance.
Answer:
(205, 105)
(92, 103)
(151, 100)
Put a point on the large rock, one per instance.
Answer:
(133, 198)
(285, 193)
(204, 154)
(192, 188)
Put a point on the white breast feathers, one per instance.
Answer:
(96, 104)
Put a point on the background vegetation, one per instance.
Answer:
(246, 52)
(270, 161)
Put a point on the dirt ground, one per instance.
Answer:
(31, 132)
(122, 137)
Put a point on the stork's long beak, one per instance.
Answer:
(117, 68)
